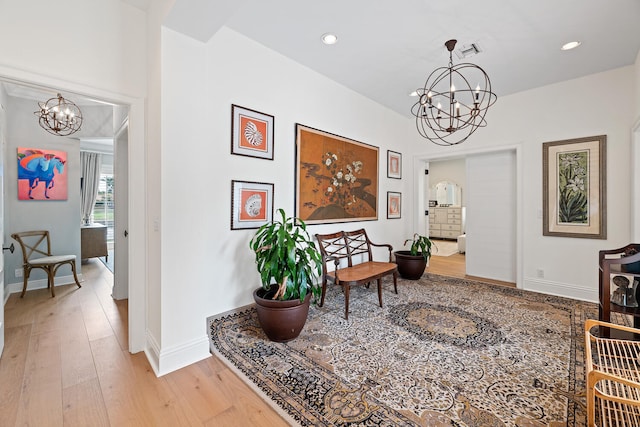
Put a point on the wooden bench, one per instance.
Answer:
(361, 269)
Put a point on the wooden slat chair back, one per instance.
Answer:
(358, 244)
(36, 253)
(353, 248)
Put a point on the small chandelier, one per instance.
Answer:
(59, 116)
(449, 109)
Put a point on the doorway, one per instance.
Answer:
(135, 108)
(479, 194)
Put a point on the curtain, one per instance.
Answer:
(90, 164)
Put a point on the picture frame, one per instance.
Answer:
(394, 165)
(251, 133)
(336, 178)
(43, 174)
(394, 205)
(251, 204)
(574, 188)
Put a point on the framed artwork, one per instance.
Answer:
(394, 205)
(394, 165)
(251, 133)
(251, 204)
(42, 174)
(574, 188)
(336, 178)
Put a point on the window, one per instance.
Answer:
(103, 209)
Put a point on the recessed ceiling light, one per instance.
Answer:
(329, 38)
(570, 45)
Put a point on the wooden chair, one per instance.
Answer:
(361, 269)
(39, 243)
(613, 374)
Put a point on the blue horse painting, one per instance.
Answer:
(40, 167)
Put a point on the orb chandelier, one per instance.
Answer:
(449, 109)
(59, 116)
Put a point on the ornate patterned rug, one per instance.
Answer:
(443, 352)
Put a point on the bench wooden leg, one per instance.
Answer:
(380, 291)
(346, 301)
(395, 281)
(324, 291)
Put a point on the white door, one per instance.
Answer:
(121, 213)
(491, 216)
(427, 196)
(2, 146)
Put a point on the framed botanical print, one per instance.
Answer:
(394, 165)
(251, 204)
(574, 188)
(394, 205)
(336, 178)
(251, 133)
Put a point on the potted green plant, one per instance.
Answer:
(412, 262)
(289, 264)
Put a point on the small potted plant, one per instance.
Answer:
(289, 264)
(412, 263)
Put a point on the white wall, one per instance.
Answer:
(206, 267)
(93, 43)
(637, 86)
(3, 137)
(593, 105)
(158, 10)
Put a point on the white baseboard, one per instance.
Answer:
(561, 289)
(13, 288)
(164, 361)
(152, 350)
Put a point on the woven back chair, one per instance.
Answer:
(36, 253)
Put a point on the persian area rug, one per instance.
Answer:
(443, 352)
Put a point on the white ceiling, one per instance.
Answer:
(386, 49)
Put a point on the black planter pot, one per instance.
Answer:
(410, 266)
(281, 321)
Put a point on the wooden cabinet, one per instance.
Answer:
(93, 241)
(446, 222)
(623, 261)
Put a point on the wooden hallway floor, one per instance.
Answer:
(66, 363)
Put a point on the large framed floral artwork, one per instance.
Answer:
(251, 204)
(336, 178)
(574, 188)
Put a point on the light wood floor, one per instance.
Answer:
(454, 266)
(66, 363)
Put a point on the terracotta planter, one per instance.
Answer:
(410, 266)
(281, 321)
